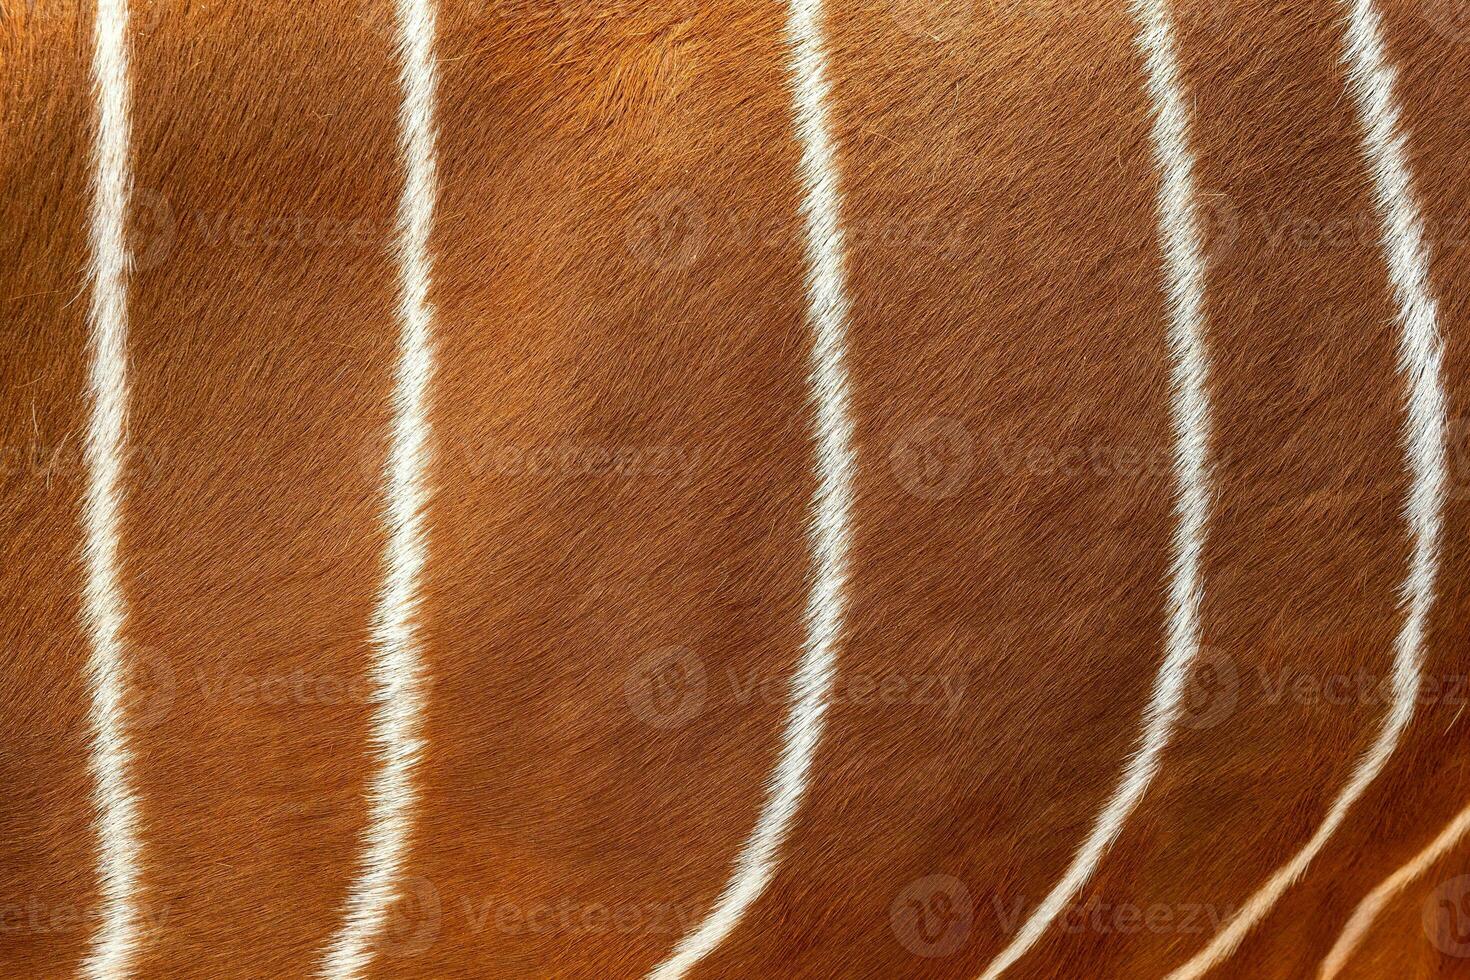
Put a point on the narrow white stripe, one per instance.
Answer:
(397, 667)
(1371, 907)
(831, 507)
(1371, 80)
(104, 609)
(1190, 411)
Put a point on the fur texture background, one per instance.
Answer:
(622, 469)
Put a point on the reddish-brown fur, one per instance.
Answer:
(622, 470)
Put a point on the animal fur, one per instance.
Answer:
(622, 475)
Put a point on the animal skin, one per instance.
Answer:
(827, 489)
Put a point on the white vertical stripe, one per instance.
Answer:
(1371, 907)
(1371, 80)
(104, 609)
(1190, 412)
(397, 667)
(831, 509)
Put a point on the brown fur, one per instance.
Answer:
(622, 471)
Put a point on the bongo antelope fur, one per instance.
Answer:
(833, 488)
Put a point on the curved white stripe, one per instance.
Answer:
(1371, 80)
(1190, 412)
(104, 609)
(397, 668)
(1369, 909)
(831, 505)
